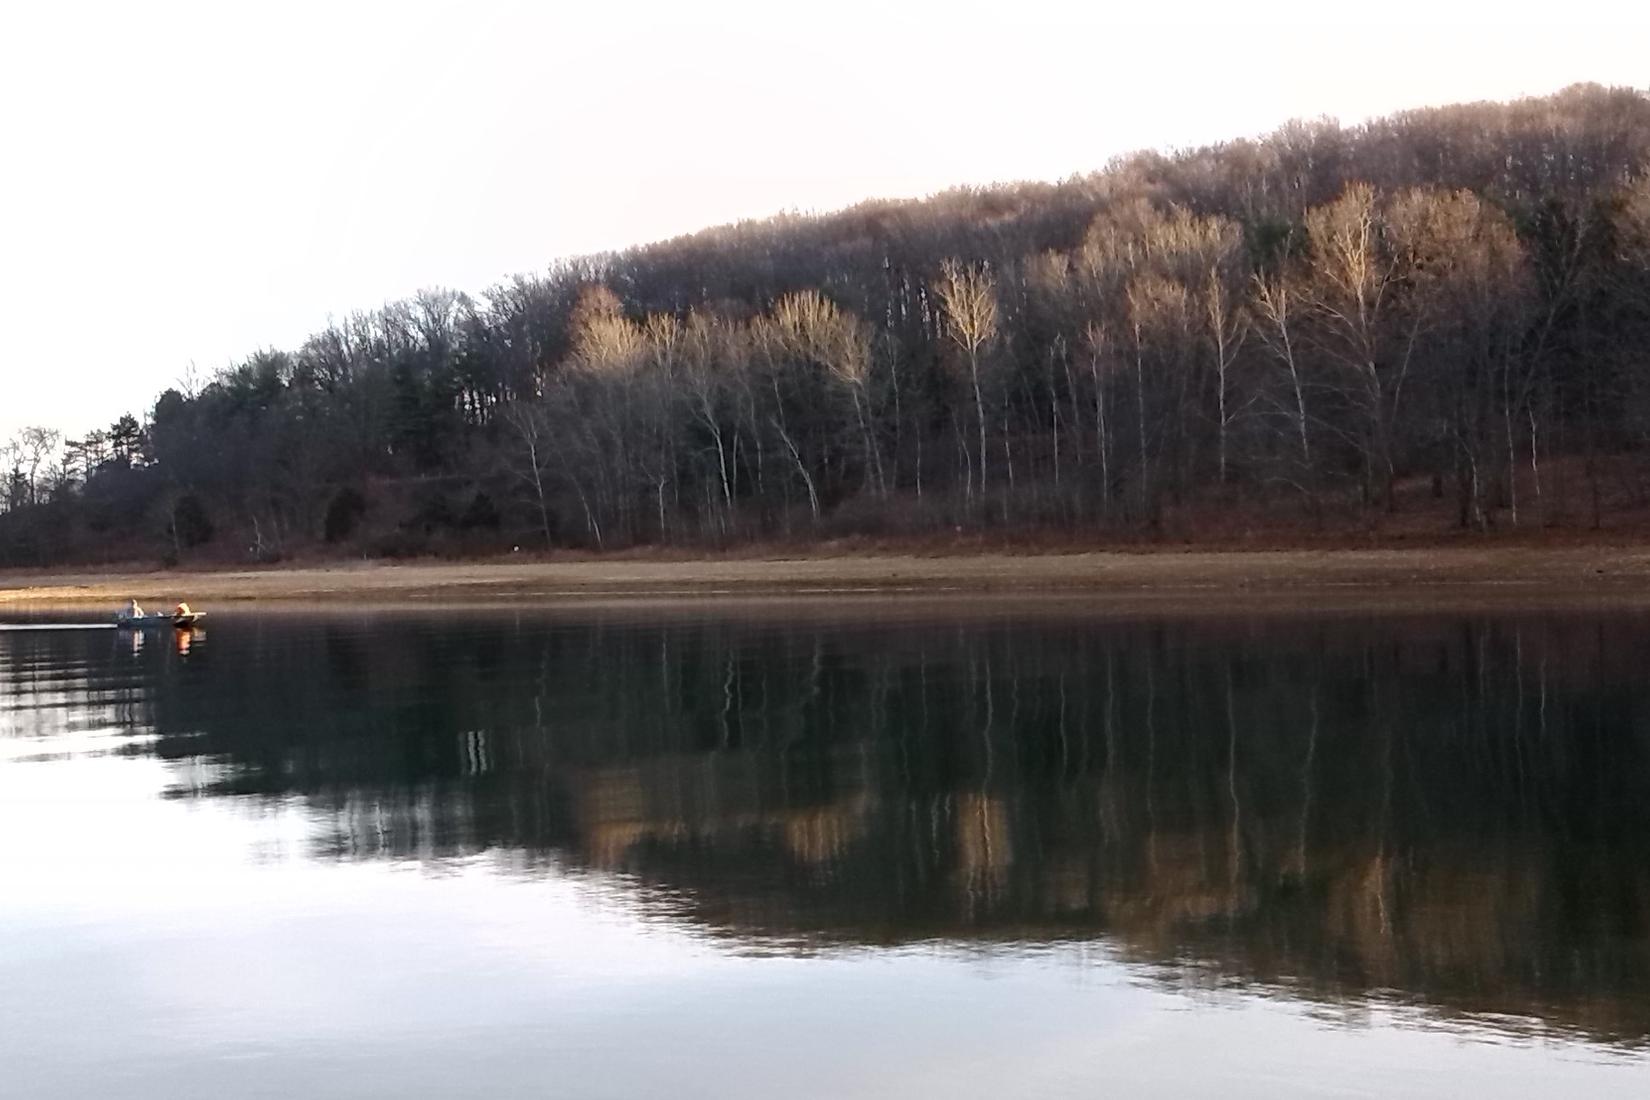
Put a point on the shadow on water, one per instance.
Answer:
(1449, 812)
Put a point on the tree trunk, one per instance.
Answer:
(979, 410)
(801, 468)
(1140, 416)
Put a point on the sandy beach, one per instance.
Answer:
(1501, 575)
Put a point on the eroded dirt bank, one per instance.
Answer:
(1593, 575)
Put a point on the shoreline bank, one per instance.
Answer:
(1609, 575)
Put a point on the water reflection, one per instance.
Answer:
(1446, 812)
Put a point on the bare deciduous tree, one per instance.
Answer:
(531, 458)
(1353, 292)
(1274, 303)
(968, 296)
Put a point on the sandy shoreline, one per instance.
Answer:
(1603, 576)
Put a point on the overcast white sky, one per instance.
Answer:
(183, 183)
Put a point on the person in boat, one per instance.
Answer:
(131, 610)
(182, 611)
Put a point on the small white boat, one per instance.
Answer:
(139, 622)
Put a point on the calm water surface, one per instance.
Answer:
(758, 854)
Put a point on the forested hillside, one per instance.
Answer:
(1446, 310)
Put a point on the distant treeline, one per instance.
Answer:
(1455, 298)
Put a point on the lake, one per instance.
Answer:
(867, 849)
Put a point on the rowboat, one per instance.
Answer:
(141, 622)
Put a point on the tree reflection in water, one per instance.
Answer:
(1452, 811)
